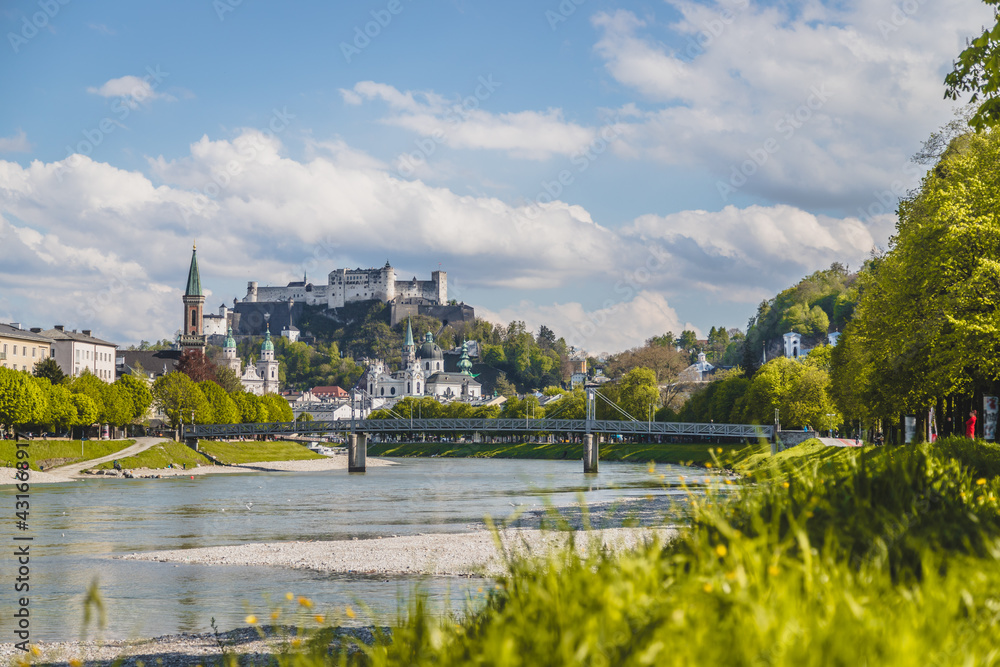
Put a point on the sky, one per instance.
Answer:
(613, 170)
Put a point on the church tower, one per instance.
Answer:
(409, 349)
(192, 331)
(229, 358)
(267, 367)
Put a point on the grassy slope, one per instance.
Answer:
(159, 456)
(697, 453)
(49, 453)
(253, 451)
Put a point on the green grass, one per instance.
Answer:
(881, 556)
(160, 456)
(49, 453)
(235, 453)
(696, 453)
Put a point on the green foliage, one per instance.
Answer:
(60, 410)
(180, 398)
(818, 303)
(224, 410)
(799, 391)
(22, 401)
(49, 369)
(638, 393)
(977, 71)
(927, 323)
(885, 559)
(138, 394)
(85, 409)
(278, 409)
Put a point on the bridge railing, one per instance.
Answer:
(502, 425)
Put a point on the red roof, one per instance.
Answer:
(336, 392)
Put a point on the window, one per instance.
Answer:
(33, 351)
(193, 313)
(78, 355)
(392, 391)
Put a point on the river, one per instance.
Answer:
(77, 528)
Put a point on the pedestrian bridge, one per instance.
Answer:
(358, 431)
(386, 426)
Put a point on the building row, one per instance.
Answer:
(74, 351)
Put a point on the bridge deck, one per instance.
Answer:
(479, 426)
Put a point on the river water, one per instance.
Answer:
(77, 528)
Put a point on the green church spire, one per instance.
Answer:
(409, 334)
(464, 365)
(194, 278)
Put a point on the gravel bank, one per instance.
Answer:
(334, 462)
(179, 650)
(465, 554)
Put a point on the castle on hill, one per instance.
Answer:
(284, 305)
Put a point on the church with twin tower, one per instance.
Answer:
(259, 379)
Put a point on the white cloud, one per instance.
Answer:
(463, 124)
(616, 326)
(15, 144)
(121, 243)
(133, 90)
(841, 96)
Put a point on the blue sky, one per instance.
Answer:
(611, 169)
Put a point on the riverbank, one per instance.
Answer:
(257, 644)
(677, 453)
(453, 554)
(334, 462)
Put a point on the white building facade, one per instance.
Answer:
(76, 352)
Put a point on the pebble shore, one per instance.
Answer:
(458, 554)
(332, 462)
(254, 645)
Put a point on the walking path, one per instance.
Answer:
(72, 471)
(840, 442)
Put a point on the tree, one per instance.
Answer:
(252, 408)
(86, 410)
(927, 323)
(61, 412)
(688, 340)
(224, 410)
(196, 365)
(504, 387)
(977, 71)
(48, 368)
(799, 391)
(138, 394)
(666, 340)
(93, 387)
(118, 406)
(278, 409)
(227, 378)
(639, 393)
(180, 398)
(21, 399)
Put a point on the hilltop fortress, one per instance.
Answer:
(283, 305)
(352, 285)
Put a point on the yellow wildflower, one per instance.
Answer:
(980, 481)
(76, 662)
(251, 619)
(275, 614)
(350, 612)
(773, 570)
(35, 651)
(784, 485)
(721, 550)
(707, 587)
(305, 602)
(289, 596)
(319, 618)
(708, 464)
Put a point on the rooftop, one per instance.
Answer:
(10, 331)
(59, 333)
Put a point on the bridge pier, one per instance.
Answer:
(590, 453)
(357, 451)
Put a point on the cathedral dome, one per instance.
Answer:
(230, 341)
(267, 345)
(430, 349)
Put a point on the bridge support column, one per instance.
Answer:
(192, 443)
(357, 452)
(590, 452)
